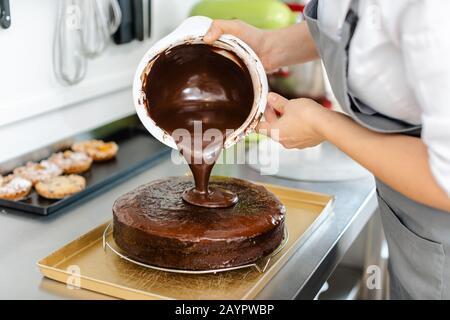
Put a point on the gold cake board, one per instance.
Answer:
(84, 262)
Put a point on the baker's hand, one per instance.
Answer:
(293, 123)
(256, 38)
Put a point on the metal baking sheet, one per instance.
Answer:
(138, 150)
(105, 272)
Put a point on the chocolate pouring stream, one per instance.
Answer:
(198, 95)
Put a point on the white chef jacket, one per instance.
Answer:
(399, 65)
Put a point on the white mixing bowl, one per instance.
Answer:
(192, 31)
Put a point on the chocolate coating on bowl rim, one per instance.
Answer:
(152, 224)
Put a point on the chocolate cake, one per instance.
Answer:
(152, 224)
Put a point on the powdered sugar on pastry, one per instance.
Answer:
(36, 172)
(71, 162)
(14, 188)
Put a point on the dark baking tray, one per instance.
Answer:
(138, 150)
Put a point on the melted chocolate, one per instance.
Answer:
(194, 84)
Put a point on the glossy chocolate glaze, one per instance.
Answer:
(154, 225)
(195, 83)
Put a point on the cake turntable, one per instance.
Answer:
(260, 265)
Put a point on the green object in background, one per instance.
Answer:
(264, 14)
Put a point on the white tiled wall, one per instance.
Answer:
(34, 108)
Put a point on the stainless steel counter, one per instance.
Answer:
(25, 238)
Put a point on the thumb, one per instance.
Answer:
(214, 32)
(277, 102)
(219, 27)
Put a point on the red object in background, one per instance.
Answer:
(296, 7)
(325, 102)
(281, 73)
(284, 73)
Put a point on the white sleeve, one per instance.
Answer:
(425, 44)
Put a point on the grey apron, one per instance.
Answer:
(418, 236)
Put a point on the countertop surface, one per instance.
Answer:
(26, 238)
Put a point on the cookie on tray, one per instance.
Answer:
(36, 172)
(72, 162)
(60, 187)
(14, 188)
(99, 150)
